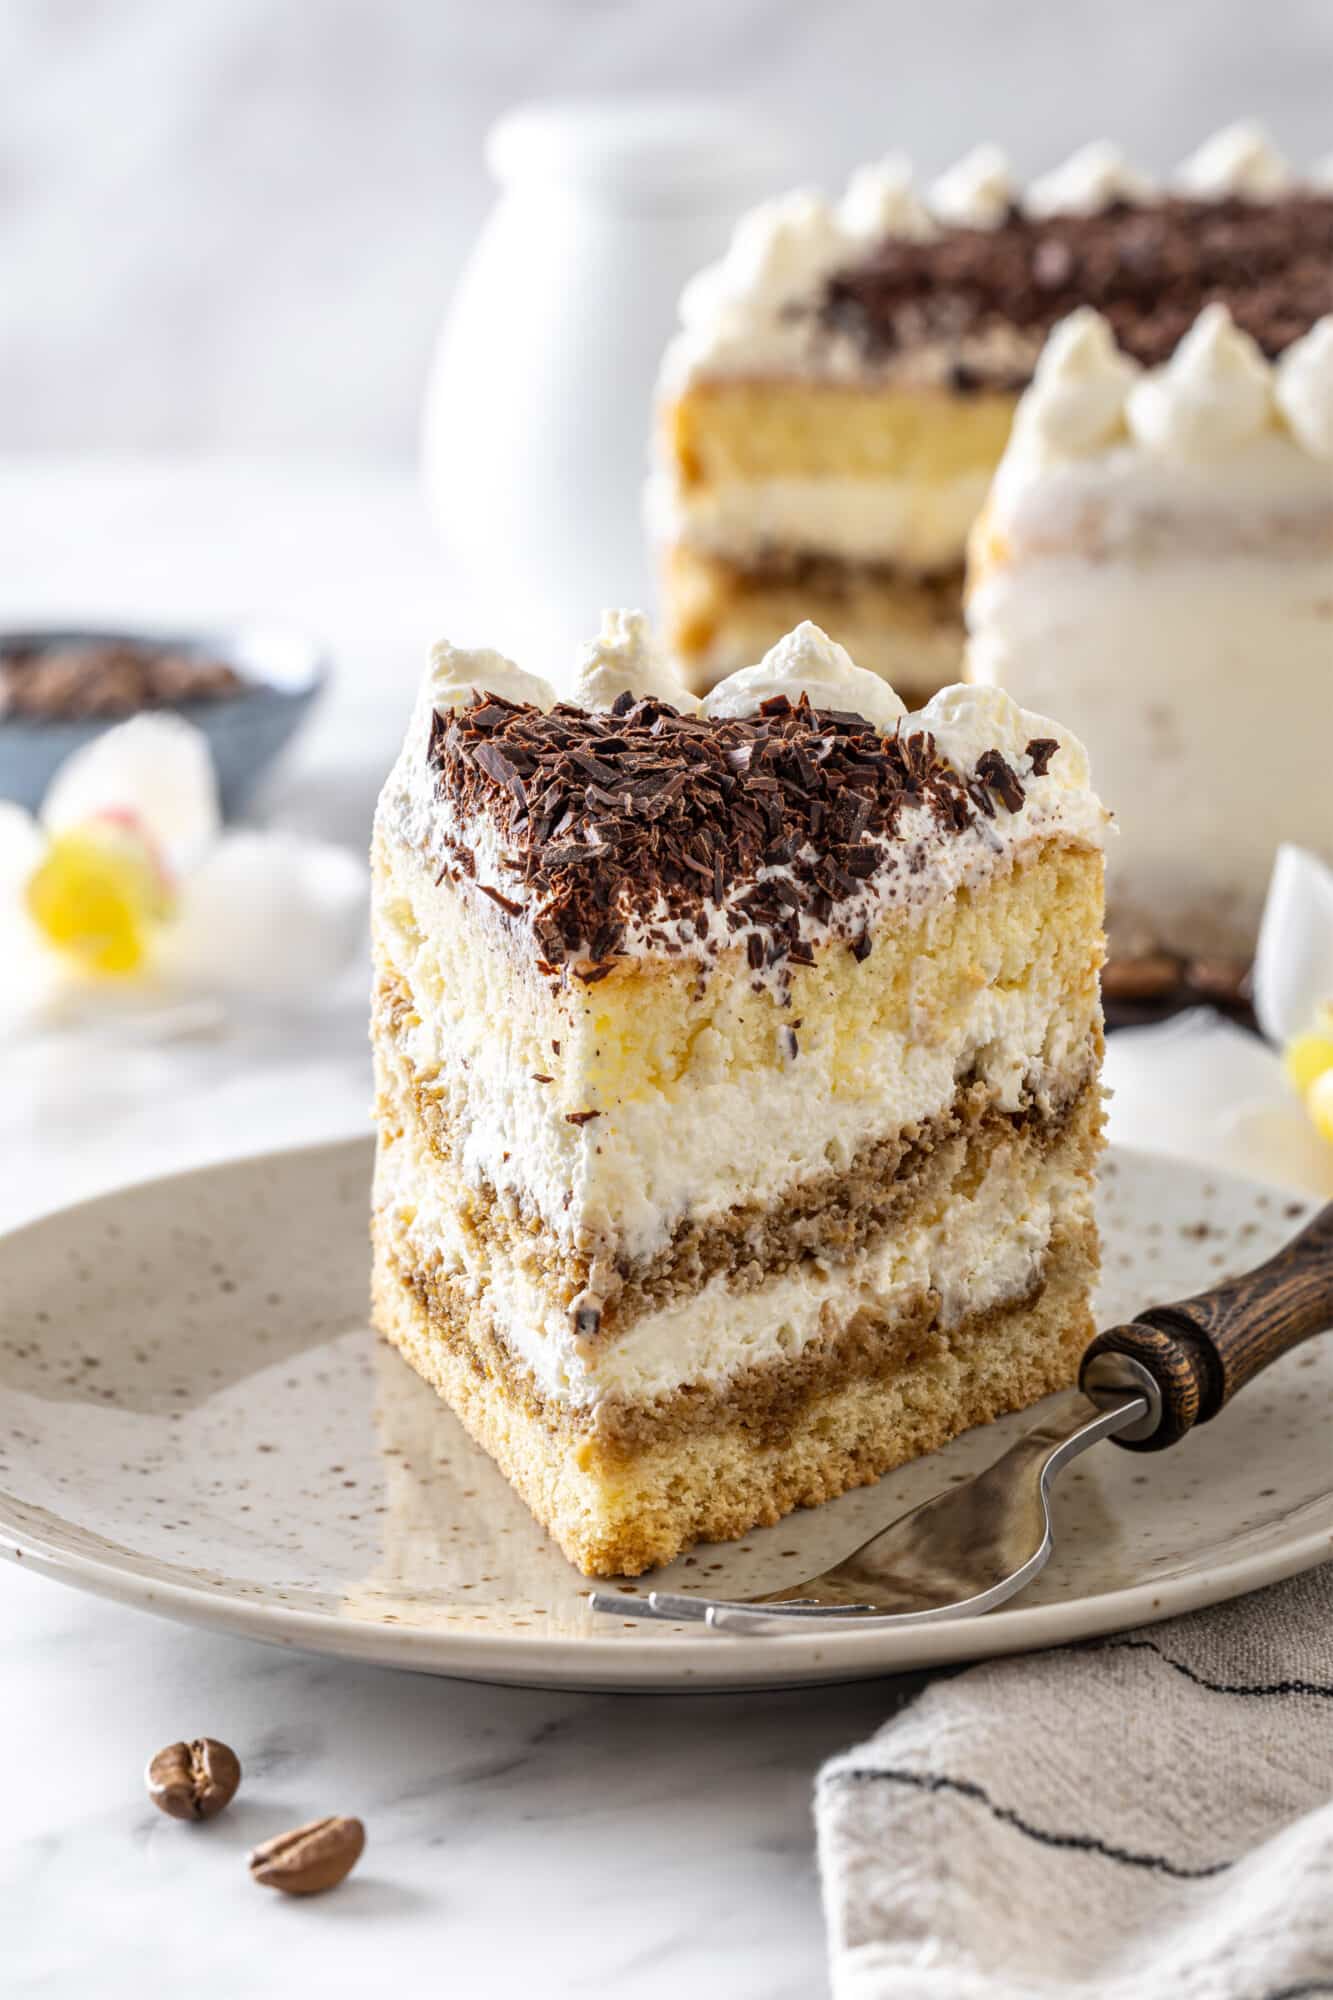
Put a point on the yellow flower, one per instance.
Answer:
(1319, 1104)
(1308, 1061)
(1307, 1058)
(99, 892)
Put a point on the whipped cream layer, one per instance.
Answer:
(987, 1248)
(920, 525)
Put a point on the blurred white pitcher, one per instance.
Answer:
(538, 411)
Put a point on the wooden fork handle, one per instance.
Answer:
(1202, 1350)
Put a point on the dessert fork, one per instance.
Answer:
(1145, 1384)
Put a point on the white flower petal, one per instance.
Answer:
(33, 977)
(157, 767)
(269, 915)
(1293, 966)
(21, 848)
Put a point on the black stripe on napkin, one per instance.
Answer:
(1081, 1843)
(1217, 1687)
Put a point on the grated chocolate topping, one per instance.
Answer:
(1149, 267)
(646, 815)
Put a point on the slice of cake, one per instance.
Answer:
(844, 382)
(737, 1064)
(1156, 561)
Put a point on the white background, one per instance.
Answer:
(236, 222)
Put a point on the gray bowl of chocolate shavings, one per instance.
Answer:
(248, 689)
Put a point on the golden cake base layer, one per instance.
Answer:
(618, 1511)
(721, 616)
(786, 428)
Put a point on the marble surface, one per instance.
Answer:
(519, 1843)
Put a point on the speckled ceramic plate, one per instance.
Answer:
(197, 1419)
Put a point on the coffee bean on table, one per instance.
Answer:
(194, 1780)
(310, 1858)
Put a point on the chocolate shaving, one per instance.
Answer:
(506, 903)
(662, 820)
(1001, 778)
(1040, 752)
(495, 764)
(581, 1117)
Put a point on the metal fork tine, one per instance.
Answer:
(674, 1604)
(618, 1605)
(724, 1615)
(970, 1548)
(770, 1617)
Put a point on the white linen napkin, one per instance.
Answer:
(1151, 1814)
(1148, 1815)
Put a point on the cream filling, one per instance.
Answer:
(1206, 689)
(982, 1249)
(918, 525)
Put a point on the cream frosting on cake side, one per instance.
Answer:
(1156, 560)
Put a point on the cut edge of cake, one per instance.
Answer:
(738, 1078)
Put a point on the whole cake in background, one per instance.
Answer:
(1156, 559)
(738, 1066)
(842, 388)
